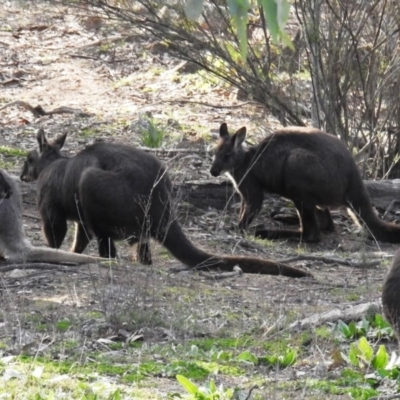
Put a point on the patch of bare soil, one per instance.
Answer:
(54, 57)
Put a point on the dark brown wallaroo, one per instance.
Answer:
(13, 244)
(118, 192)
(391, 296)
(310, 167)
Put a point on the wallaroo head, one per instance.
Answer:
(36, 160)
(229, 153)
(5, 188)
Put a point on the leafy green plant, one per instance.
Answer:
(152, 132)
(283, 360)
(210, 392)
(375, 327)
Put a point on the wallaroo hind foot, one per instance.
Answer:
(310, 167)
(122, 193)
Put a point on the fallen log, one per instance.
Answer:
(217, 194)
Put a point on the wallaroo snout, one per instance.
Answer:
(5, 188)
(117, 192)
(312, 168)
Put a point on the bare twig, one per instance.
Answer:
(38, 111)
(224, 275)
(11, 267)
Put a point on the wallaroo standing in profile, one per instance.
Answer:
(310, 167)
(118, 192)
(13, 244)
(390, 295)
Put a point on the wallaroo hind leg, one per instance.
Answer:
(309, 231)
(107, 247)
(54, 229)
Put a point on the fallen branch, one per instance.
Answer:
(349, 314)
(11, 267)
(39, 111)
(333, 260)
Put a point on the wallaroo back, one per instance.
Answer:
(310, 167)
(13, 243)
(117, 192)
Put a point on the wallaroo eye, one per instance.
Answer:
(227, 156)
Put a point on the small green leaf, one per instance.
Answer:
(247, 356)
(187, 384)
(365, 348)
(353, 355)
(289, 359)
(381, 358)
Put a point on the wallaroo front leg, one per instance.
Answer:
(250, 207)
(54, 229)
(325, 220)
(106, 248)
(309, 224)
(82, 239)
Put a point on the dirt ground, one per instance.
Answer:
(54, 57)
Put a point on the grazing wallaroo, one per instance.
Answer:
(117, 192)
(390, 295)
(310, 167)
(13, 244)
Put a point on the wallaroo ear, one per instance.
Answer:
(60, 141)
(239, 136)
(223, 130)
(41, 138)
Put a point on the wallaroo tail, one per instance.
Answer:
(117, 192)
(14, 246)
(310, 167)
(390, 295)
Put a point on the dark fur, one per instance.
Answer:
(391, 295)
(124, 194)
(311, 168)
(5, 188)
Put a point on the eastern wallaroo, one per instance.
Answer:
(118, 192)
(390, 295)
(14, 246)
(312, 168)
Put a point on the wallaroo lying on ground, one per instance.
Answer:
(390, 295)
(13, 243)
(117, 192)
(310, 167)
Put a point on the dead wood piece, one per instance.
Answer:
(333, 260)
(389, 397)
(382, 192)
(38, 111)
(237, 271)
(349, 314)
(10, 81)
(9, 267)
